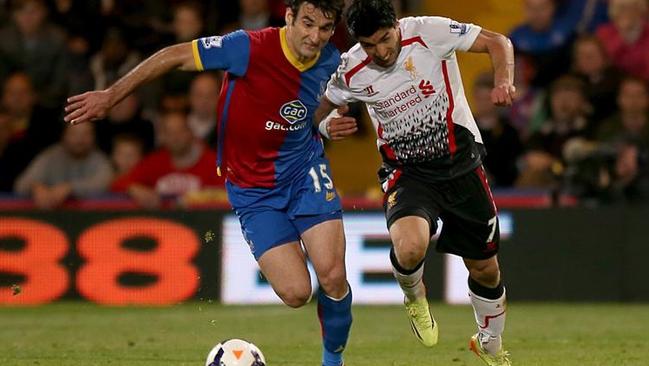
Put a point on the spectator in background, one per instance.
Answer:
(182, 165)
(631, 123)
(547, 33)
(545, 38)
(500, 138)
(113, 60)
(526, 112)
(187, 24)
(72, 168)
(255, 14)
(591, 64)
(544, 159)
(631, 178)
(626, 37)
(126, 153)
(32, 127)
(125, 118)
(203, 98)
(32, 44)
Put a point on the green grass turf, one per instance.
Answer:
(81, 334)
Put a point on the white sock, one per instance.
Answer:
(490, 316)
(411, 284)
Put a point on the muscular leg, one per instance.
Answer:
(325, 245)
(489, 302)
(410, 237)
(285, 269)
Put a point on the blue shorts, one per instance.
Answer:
(271, 217)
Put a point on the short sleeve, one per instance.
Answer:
(337, 90)
(230, 52)
(448, 33)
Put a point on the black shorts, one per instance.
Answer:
(464, 204)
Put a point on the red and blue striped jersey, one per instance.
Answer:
(266, 134)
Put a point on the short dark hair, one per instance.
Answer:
(365, 17)
(330, 8)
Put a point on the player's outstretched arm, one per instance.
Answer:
(332, 122)
(95, 105)
(501, 52)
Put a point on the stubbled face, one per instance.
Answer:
(384, 46)
(308, 31)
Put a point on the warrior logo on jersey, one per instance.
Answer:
(209, 42)
(293, 112)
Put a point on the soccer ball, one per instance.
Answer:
(235, 352)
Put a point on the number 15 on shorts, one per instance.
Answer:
(320, 177)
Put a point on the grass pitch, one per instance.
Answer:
(81, 334)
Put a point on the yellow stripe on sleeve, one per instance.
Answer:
(197, 56)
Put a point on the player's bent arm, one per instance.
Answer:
(332, 122)
(179, 56)
(96, 104)
(501, 52)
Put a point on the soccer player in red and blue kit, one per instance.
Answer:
(278, 179)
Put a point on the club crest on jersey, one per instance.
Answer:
(409, 65)
(293, 112)
(209, 42)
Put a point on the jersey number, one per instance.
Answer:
(329, 185)
(492, 223)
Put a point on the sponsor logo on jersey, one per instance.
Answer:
(276, 126)
(458, 28)
(209, 42)
(293, 112)
(426, 88)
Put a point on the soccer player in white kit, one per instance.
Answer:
(406, 73)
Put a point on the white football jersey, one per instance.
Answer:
(417, 106)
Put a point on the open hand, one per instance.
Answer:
(89, 106)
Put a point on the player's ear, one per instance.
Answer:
(289, 17)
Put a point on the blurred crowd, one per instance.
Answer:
(579, 124)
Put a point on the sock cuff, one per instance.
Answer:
(489, 294)
(401, 270)
(334, 304)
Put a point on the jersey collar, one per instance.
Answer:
(290, 56)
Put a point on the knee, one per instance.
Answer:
(295, 297)
(486, 275)
(410, 252)
(334, 281)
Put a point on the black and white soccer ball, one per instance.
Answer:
(235, 352)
